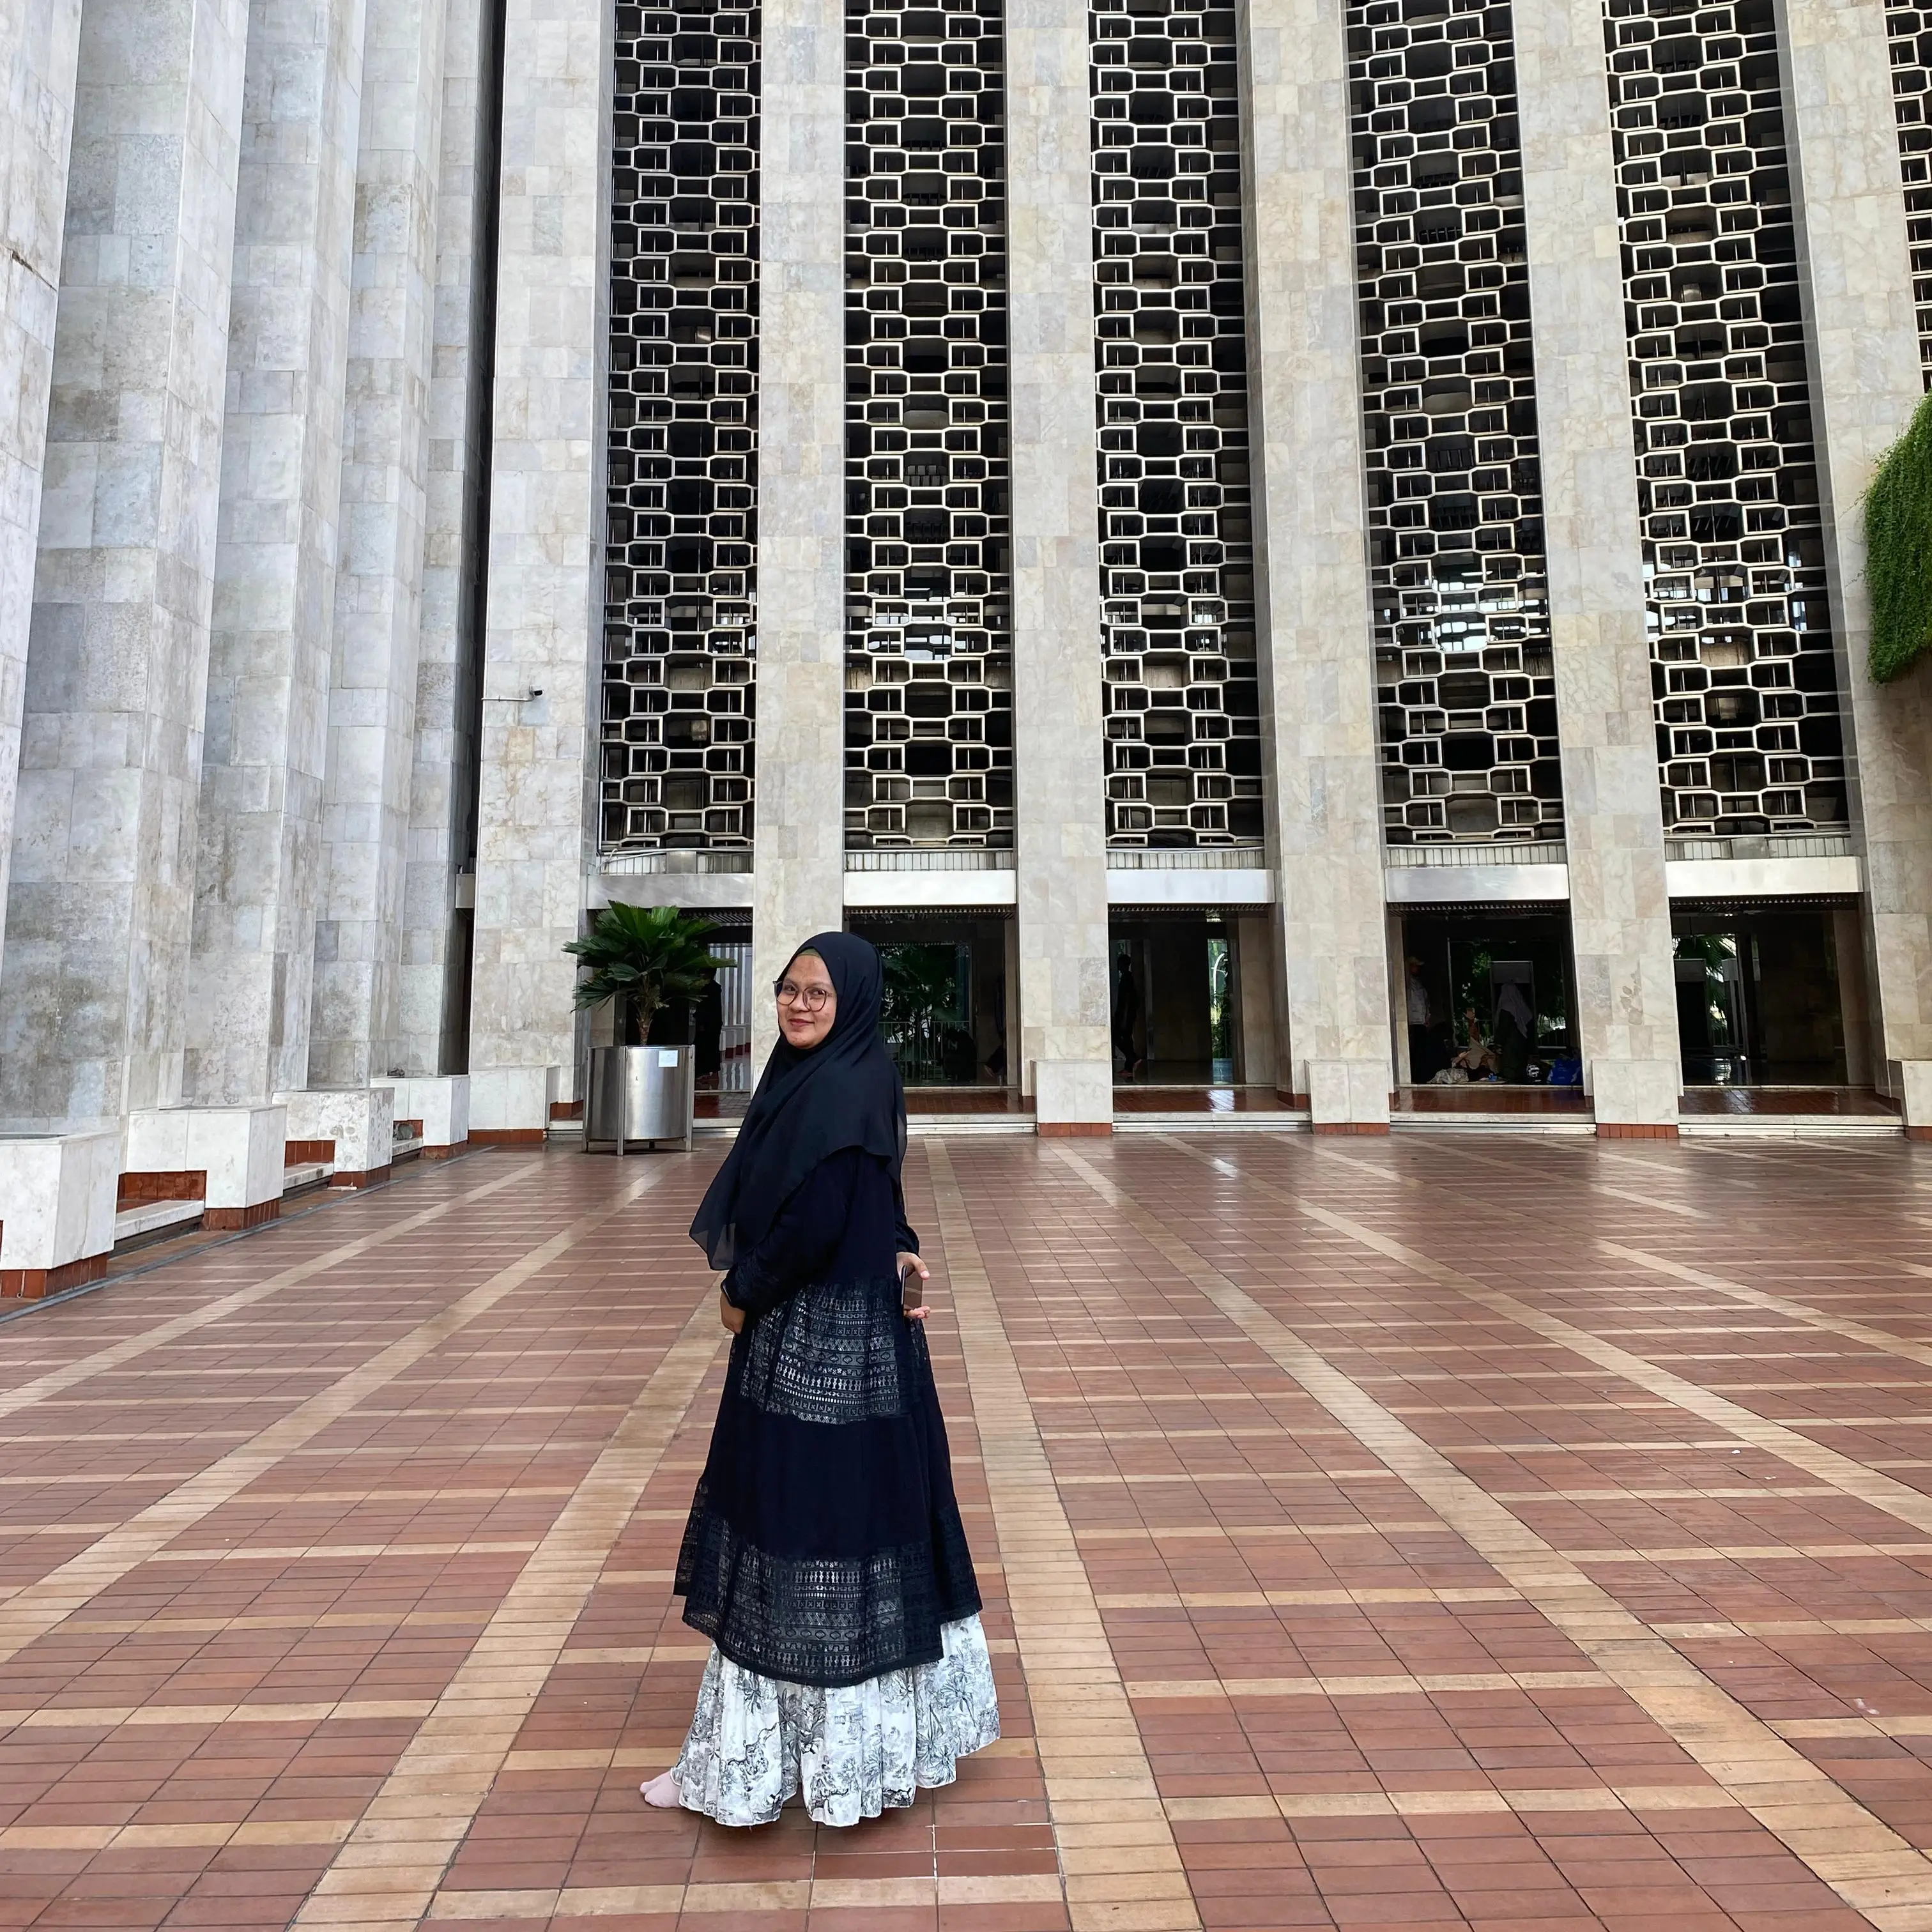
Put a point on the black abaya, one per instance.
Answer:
(824, 1544)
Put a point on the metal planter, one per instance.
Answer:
(636, 1094)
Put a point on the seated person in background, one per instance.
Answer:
(1477, 1059)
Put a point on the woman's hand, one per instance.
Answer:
(912, 1301)
(732, 1317)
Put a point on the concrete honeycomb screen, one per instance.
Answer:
(928, 662)
(681, 560)
(1747, 699)
(1466, 686)
(1183, 744)
(1909, 29)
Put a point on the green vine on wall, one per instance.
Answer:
(1898, 551)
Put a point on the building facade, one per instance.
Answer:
(1262, 527)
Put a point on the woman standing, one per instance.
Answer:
(824, 1556)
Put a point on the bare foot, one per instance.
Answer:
(661, 1791)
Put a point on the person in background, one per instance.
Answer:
(1127, 1013)
(1424, 1059)
(1516, 1030)
(823, 1555)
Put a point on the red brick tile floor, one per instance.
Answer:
(1521, 1534)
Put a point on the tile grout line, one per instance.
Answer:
(1119, 1860)
(1868, 1865)
(39, 1606)
(1844, 1475)
(388, 1871)
(102, 1360)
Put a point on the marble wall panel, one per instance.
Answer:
(1865, 383)
(39, 41)
(93, 996)
(1619, 906)
(379, 586)
(1319, 719)
(799, 885)
(545, 532)
(442, 831)
(1060, 810)
(259, 816)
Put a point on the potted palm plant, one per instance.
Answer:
(643, 958)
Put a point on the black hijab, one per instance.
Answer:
(811, 1102)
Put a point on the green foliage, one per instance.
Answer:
(642, 956)
(1898, 551)
(919, 1012)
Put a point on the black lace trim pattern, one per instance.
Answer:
(828, 1355)
(819, 1620)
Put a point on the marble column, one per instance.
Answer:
(1318, 699)
(545, 585)
(260, 808)
(39, 41)
(1065, 1053)
(1619, 904)
(1862, 337)
(94, 992)
(429, 999)
(379, 584)
(800, 879)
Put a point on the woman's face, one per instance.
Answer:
(807, 1004)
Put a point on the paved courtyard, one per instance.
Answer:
(1484, 1531)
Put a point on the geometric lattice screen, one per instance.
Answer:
(681, 576)
(1746, 702)
(1183, 744)
(928, 662)
(1465, 688)
(1910, 31)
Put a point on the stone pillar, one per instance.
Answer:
(1862, 338)
(546, 525)
(1619, 904)
(99, 913)
(799, 880)
(39, 40)
(435, 954)
(379, 586)
(1255, 980)
(257, 873)
(1063, 1049)
(1317, 698)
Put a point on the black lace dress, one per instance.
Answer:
(824, 1555)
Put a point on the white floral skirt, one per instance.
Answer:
(756, 1742)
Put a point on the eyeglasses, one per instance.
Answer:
(789, 993)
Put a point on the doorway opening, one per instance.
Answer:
(1761, 994)
(1484, 998)
(1190, 1001)
(945, 1013)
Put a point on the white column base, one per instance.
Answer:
(1635, 1100)
(1348, 1096)
(234, 1155)
(356, 1122)
(439, 1105)
(57, 1197)
(1073, 1096)
(511, 1105)
(1912, 1088)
